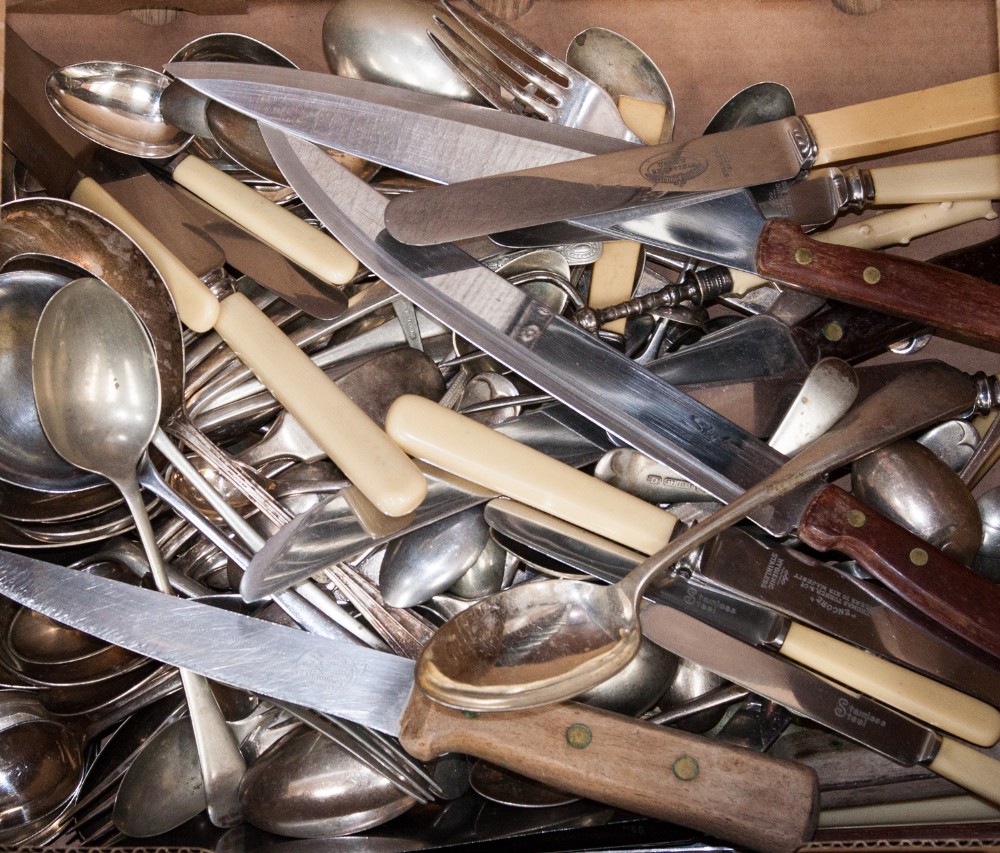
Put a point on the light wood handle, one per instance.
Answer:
(892, 228)
(270, 223)
(196, 304)
(465, 447)
(365, 454)
(613, 275)
(944, 180)
(653, 770)
(917, 695)
(965, 766)
(940, 114)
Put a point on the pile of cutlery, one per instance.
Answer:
(496, 457)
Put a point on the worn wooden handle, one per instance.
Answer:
(937, 704)
(270, 223)
(732, 793)
(964, 603)
(365, 454)
(942, 113)
(939, 297)
(465, 447)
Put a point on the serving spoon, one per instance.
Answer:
(97, 390)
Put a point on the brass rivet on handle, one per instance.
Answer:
(803, 257)
(919, 557)
(686, 768)
(856, 518)
(833, 331)
(578, 736)
(871, 275)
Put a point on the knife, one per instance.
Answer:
(748, 156)
(52, 152)
(744, 571)
(857, 717)
(636, 406)
(443, 142)
(638, 766)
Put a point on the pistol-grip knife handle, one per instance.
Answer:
(939, 114)
(282, 230)
(937, 704)
(973, 770)
(892, 284)
(956, 598)
(634, 765)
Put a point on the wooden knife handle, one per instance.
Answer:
(929, 294)
(732, 793)
(956, 598)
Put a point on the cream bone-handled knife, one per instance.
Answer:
(477, 453)
(653, 770)
(748, 156)
(648, 413)
(745, 570)
(53, 153)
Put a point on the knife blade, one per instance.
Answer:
(348, 436)
(597, 754)
(748, 156)
(633, 404)
(852, 715)
(722, 604)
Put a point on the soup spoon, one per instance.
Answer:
(97, 391)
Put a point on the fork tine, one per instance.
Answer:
(485, 80)
(492, 40)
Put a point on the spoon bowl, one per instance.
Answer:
(756, 104)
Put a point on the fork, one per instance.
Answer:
(514, 74)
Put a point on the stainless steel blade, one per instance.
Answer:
(335, 677)
(850, 714)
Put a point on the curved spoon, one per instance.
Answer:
(756, 104)
(97, 390)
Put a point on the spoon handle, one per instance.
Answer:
(282, 230)
(728, 791)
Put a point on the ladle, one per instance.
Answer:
(98, 396)
(496, 655)
(117, 105)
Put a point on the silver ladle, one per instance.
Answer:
(97, 390)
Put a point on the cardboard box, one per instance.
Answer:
(707, 50)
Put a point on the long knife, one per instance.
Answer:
(442, 141)
(748, 156)
(638, 766)
(633, 404)
(777, 579)
(854, 716)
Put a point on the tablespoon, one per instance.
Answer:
(97, 392)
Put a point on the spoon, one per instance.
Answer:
(621, 67)
(117, 105)
(97, 390)
(756, 104)
(906, 482)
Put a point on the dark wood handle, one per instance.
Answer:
(730, 792)
(942, 298)
(959, 600)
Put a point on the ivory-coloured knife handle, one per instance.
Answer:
(965, 766)
(892, 228)
(656, 771)
(937, 296)
(960, 808)
(943, 180)
(914, 694)
(362, 451)
(282, 230)
(465, 447)
(939, 114)
(196, 305)
(961, 601)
